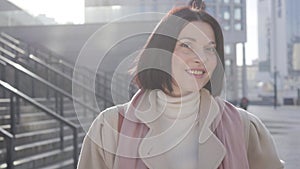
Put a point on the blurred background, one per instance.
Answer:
(41, 87)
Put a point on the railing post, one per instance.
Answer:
(12, 114)
(56, 102)
(10, 153)
(18, 116)
(32, 88)
(17, 84)
(104, 90)
(61, 111)
(3, 76)
(75, 145)
(47, 90)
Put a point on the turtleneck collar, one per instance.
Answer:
(178, 107)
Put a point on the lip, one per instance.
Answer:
(197, 72)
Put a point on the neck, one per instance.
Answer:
(178, 93)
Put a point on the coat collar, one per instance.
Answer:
(211, 150)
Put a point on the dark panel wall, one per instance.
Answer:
(68, 40)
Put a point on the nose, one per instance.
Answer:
(200, 56)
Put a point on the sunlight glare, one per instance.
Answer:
(63, 11)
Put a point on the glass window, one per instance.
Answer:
(237, 1)
(226, 27)
(228, 62)
(226, 1)
(227, 49)
(238, 26)
(237, 14)
(225, 13)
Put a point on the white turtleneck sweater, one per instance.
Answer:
(179, 129)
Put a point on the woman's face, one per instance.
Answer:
(194, 58)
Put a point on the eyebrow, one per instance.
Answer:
(189, 38)
(194, 40)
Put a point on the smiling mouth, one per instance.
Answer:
(196, 72)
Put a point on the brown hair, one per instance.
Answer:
(153, 70)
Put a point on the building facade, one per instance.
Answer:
(230, 13)
(278, 33)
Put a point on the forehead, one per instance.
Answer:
(198, 30)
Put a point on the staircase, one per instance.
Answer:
(37, 135)
(37, 143)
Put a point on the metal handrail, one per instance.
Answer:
(71, 67)
(9, 139)
(45, 82)
(16, 43)
(51, 55)
(7, 52)
(12, 46)
(20, 50)
(65, 64)
(58, 72)
(48, 111)
(12, 39)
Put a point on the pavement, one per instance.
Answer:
(284, 125)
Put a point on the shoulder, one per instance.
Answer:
(246, 117)
(100, 143)
(105, 124)
(108, 115)
(252, 122)
(253, 126)
(261, 148)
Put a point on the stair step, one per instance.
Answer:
(39, 160)
(51, 159)
(38, 131)
(44, 146)
(32, 117)
(68, 164)
(4, 102)
(4, 119)
(29, 137)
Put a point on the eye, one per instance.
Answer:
(184, 45)
(210, 49)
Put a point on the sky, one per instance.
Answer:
(60, 10)
(252, 33)
(75, 14)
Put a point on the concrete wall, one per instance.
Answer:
(68, 40)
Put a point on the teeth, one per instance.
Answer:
(196, 72)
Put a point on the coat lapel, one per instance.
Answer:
(211, 150)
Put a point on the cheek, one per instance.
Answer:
(213, 66)
(178, 61)
(178, 69)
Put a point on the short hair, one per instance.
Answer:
(153, 69)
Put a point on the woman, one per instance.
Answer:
(177, 119)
